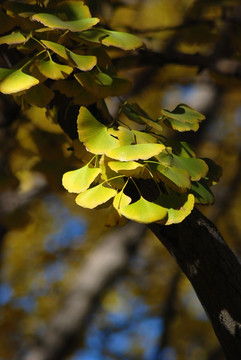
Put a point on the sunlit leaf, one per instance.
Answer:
(13, 38)
(95, 196)
(74, 10)
(135, 152)
(178, 206)
(108, 174)
(55, 22)
(197, 168)
(142, 137)
(130, 168)
(93, 134)
(121, 200)
(183, 118)
(80, 180)
(52, 70)
(126, 136)
(13, 81)
(178, 179)
(144, 211)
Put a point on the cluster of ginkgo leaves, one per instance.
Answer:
(63, 51)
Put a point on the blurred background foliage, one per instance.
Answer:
(148, 310)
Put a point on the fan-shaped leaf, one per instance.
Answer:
(80, 180)
(178, 179)
(144, 211)
(178, 206)
(121, 40)
(183, 118)
(126, 136)
(109, 175)
(52, 70)
(74, 10)
(55, 22)
(13, 81)
(39, 95)
(82, 62)
(203, 195)
(95, 196)
(135, 152)
(197, 168)
(130, 168)
(93, 134)
(13, 38)
(121, 200)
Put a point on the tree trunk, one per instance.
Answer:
(213, 271)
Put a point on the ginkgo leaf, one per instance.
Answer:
(183, 118)
(178, 179)
(130, 168)
(52, 70)
(121, 40)
(102, 84)
(197, 168)
(95, 196)
(93, 134)
(135, 152)
(74, 10)
(79, 180)
(142, 137)
(144, 211)
(125, 136)
(82, 62)
(15, 80)
(153, 124)
(109, 175)
(178, 206)
(121, 200)
(39, 95)
(201, 191)
(13, 38)
(55, 22)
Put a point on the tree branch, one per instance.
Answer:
(213, 271)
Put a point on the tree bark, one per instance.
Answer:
(213, 271)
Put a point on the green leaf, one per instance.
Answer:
(143, 137)
(203, 195)
(79, 180)
(197, 168)
(74, 10)
(144, 211)
(93, 134)
(95, 196)
(177, 179)
(13, 38)
(52, 70)
(121, 200)
(121, 40)
(125, 136)
(82, 62)
(102, 84)
(135, 152)
(183, 118)
(54, 22)
(39, 95)
(109, 175)
(15, 80)
(130, 168)
(178, 206)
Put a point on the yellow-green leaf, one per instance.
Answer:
(52, 70)
(178, 206)
(121, 200)
(79, 180)
(144, 211)
(95, 196)
(13, 81)
(130, 168)
(13, 38)
(54, 22)
(135, 152)
(121, 40)
(93, 134)
(82, 62)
